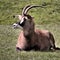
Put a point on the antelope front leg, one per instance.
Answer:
(21, 43)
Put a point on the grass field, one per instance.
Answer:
(8, 39)
(45, 18)
(46, 15)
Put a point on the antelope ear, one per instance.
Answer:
(19, 17)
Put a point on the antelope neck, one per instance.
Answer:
(30, 36)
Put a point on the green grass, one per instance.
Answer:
(46, 15)
(8, 39)
(45, 18)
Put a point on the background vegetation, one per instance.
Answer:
(45, 18)
(49, 14)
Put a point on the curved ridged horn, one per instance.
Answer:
(28, 8)
(25, 9)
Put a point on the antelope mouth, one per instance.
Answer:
(18, 48)
(16, 25)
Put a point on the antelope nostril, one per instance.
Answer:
(13, 16)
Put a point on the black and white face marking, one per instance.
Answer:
(23, 19)
(20, 23)
(15, 25)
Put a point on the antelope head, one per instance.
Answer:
(25, 20)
